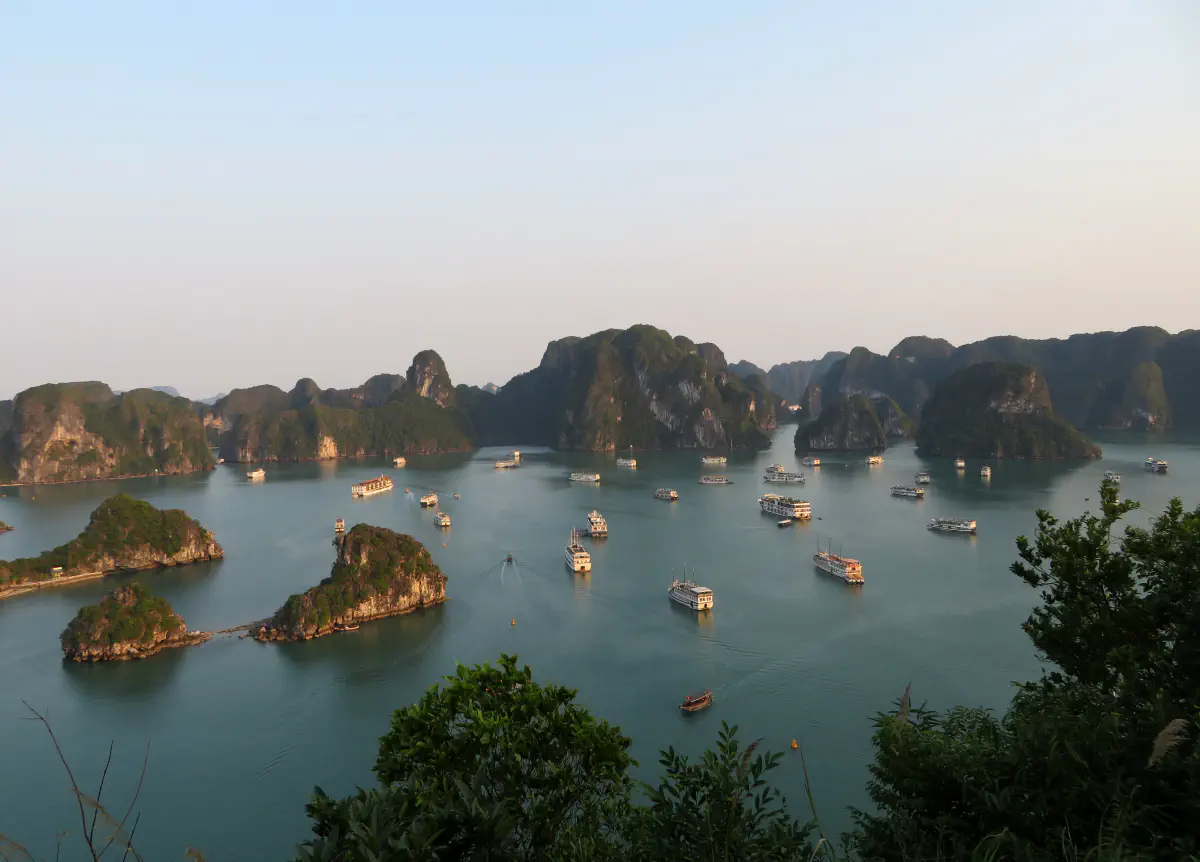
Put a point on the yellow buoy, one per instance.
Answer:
(794, 745)
(514, 622)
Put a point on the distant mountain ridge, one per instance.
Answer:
(789, 379)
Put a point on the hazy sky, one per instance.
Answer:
(218, 194)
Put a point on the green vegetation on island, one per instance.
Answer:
(378, 573)
(388, 415)
(122, 534)
(854, 423)
(790, 379)
(69, 432)
(4, 528)
(997, 410)
(636, 387)
(128, 623)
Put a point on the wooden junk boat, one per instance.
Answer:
(697, 702)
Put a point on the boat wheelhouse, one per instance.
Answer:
(597, 527)
(785, 507)
(953, 525)
(906, 491)
(372, 486)
(578, 559)
(668, 494)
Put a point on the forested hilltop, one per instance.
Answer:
(1142, 378)
(68, 432)
(636, 387)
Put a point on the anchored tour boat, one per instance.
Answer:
(785, 507)
(960, 464)
(776, 473)
(372, 486)
(714, 460)
(715, 480)
(697, 702)
(668, 494)
(905, 491)
(922, 478)
(1115, 478)
(399, 461)
(872, 460)
(849, 570)
(1156, 466)
(339, 526)
(953, 525)
(578, 559)
(690, 594)
(507, 464)
(584, 477)
(629, 462)
(597, 527)
(441, 519)
(429, 501)
(985, 471)
(260, 473)
(810, 461)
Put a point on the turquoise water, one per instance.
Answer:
(239, 732)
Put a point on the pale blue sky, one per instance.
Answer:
(220, 194)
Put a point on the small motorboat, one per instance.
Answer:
(786, 522)
(509, 559)
(345, 627)
(697, 702)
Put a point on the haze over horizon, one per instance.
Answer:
(223, 196)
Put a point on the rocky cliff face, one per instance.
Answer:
(129, 623)
(78, 431)
(638, 387)
(378, 573)
(997, 410)
(790, 379)
(386, 416)
(123, 534)
(853, 423)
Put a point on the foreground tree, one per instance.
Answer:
(494, 766)
(1097, 759)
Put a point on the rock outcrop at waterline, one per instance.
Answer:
(128, 623)
(122, 534)
(378, 573)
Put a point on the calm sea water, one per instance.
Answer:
(240, 732)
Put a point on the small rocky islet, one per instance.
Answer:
(122, 534)
(378, 573)
(128, 623)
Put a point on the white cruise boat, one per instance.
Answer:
(507, 464)
(399, 461)
(668, 494)
(372, 486)
(905, 491)
(429, 501)
(597, 527)
(953, 525)
(714, 460)
(260, 473)
(690, 594)
(1156, 466)
(584, 477)
(985, 471)
(785, 507)
(781, 475)
(960, 464)
(872, 460)
(849, 570)
(339, 526)
(1115, 478)
(922, 478)
(715, 480)
(629, 462)
(578, 559)
(441, 519)
(810, 461)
